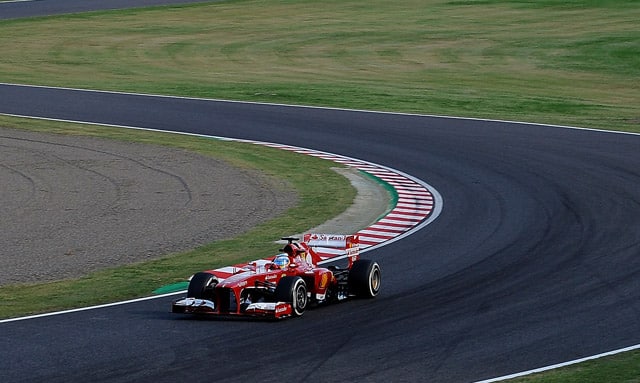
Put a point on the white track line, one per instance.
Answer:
(89, 308)
(313, 107)
(560, 365)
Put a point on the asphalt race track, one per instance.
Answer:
(532, 262)
(32, 8)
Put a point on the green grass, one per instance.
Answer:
(573, 63)
(322, 195)
(623, 368)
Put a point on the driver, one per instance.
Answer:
(282, 261)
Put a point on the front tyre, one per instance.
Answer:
(365, 278)
(202, 286)
(293, 290)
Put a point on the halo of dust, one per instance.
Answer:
(72, 204)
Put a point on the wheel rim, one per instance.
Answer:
(374, 280)
(300, 298)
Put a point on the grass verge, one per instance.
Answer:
(622, 368)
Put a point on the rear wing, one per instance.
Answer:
(323, 247)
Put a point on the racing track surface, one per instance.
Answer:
(32, 8)
(533, 260)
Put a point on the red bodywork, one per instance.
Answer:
(271, 287)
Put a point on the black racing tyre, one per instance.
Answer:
(202, 286)
(292, 290)
(365, 278)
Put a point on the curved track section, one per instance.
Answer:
(417, 203)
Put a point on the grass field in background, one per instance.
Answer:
(563, 62)
(573, 62)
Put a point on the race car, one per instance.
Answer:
(284, 285)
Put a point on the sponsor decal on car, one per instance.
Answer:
(324, 280)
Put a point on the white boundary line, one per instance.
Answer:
(560, 365)
(89, 308)
(431, 218)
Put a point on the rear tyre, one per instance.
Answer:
(202, 286)
(292, 290)
(365, 278)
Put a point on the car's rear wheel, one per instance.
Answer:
(293, 290)
(202, 286)
(365, 278)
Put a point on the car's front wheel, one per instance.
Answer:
(293, 290)
(202, 286)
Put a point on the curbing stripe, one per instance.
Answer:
(417, 203)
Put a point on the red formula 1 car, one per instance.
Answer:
(284, 285)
